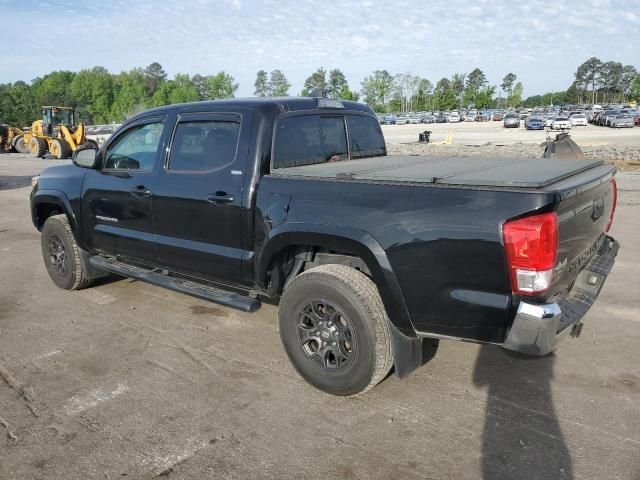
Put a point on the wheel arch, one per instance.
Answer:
(45, 203)
(346, 240)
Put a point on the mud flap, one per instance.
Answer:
(409, 353)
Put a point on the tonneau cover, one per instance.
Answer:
(476, 171)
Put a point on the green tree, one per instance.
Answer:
(634, 90)
(92, 91)
(154, 76)
(507, 83)
(261, 85)
(377, 90)
(315, 84)
(221, 85)
(515, 99)
(337, 83)
(476, 80)
(589, 73)
(130, 94)
(54, 89)
(278, 84)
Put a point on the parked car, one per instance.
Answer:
(608, 116)
(548, 120)
(497, 116)
(414, 120)
(389, 120)
(453, 117)
(441, 118)
(471, 117)
(401, 120)
(428, 119)
(491, 252)
(101, 133)
(534, 122)
(578, 119)
(511, 120)
(561, 123)
(622, 120)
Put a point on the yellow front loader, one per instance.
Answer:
(11, 139)
(56, 133)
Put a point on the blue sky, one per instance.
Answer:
(541, 41)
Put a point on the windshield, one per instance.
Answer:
(59, 116)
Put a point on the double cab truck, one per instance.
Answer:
(371, 258)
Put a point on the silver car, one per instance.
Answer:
(622, 120)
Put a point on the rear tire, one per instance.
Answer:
(61, 254)
(335, 330)
(38, 147)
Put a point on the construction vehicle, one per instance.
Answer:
(11, 139)
(56, 133)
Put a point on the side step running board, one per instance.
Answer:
(205, 292)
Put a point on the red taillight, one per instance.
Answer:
(532, 246)
(614, 186)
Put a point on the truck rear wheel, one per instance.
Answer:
(61, 254)
(335, 330)
(38, 147)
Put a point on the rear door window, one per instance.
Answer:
(310, 139)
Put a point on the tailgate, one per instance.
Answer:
(584, 212)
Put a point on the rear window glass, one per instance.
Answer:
(365, 137)
(310, 139)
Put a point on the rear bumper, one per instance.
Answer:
(537, 329)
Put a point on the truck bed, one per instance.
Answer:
(535, 173)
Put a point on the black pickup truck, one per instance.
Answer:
(371, 257)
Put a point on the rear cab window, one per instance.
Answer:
(309, 139)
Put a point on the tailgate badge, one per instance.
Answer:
(598, 209)
(593, 279)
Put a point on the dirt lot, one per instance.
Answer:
(479, 133)
(129, 380)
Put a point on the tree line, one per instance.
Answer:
(595, 82)
(102, 97)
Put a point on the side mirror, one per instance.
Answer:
(85, 157)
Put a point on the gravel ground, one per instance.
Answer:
(625, 157)
(127, 380)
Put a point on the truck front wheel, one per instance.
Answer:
(61, 254)
(335, 330)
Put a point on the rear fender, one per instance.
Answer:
(346, 240)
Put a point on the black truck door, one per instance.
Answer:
(116, 198)
(197, 204)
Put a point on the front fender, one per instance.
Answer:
(60, 200)
(343, 239)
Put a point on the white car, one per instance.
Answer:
(578, 119)
(101, 133)
(453, 118)
(561, 123)
(471, 117)
(402, 121)
(549, 120)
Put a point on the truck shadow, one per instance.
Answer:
(522, 437)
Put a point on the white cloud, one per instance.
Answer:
(542, 43)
